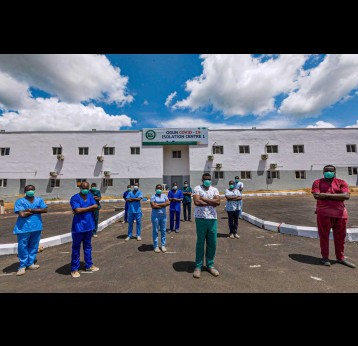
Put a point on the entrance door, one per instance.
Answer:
(176, 179)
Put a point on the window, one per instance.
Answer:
(83, 150)
(5, 151)
(351, 148)
(56, 150)
(176, 154)
(55, 182)
(79, 181)
(245, 175)
(219, 175)
(352, 170)
(218, 149)
(298, 149)
(22, 183)
(135, 151)
(3, 182)
(273, 174)
(272, 149)
(109, 150)
(300, 174)
(133, 181)
(244, 149)
(107, 182)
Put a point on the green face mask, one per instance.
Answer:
(30, 193)
(158, 192)
(84, 191)
(236, 180)
(231, 186)
(207, 183)
(328, 175)
(93, 188)
(129, 189)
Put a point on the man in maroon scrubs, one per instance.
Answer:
(330, 194)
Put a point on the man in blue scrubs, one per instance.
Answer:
(83, 225)
(28, 228)
(125, 194)
(175, 196)
(97, 197)
(134, 211)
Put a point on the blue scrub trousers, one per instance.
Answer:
(131, 218)
(28, 244)
(159, 223)
(77, 239)
(175, 213)
(126, 212)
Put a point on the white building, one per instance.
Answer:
(264, 159)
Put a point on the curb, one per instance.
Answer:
(11, 249)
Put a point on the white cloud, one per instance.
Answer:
(323, 85)
(72, 78)
(13, 94)
(241, 84)
(51, 114)
(321, 124)
(146, 102)
(354, 125)
(185, 121)
(170, 98)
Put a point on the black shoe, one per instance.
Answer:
(346, 263)
(325, 262)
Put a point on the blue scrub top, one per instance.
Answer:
(31, 223)
(83, 222)
(175, 205)
(125, 194)
(134, 207)
(96, 193)
(161, 213)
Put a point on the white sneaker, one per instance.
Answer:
(237, 236)
(139, 238)
(128, 238)
(164, 249)
(21, 271)
(157, 250)
(33, 267)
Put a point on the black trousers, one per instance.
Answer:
(187, 211)
(233, 221)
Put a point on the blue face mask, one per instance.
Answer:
(328, 175)
(207, 183)
(30, 193)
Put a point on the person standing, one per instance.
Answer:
(187, 191)
(233, 198)
(330, 193)
(97, 197)
(134, 211)
(206, 199)
(28, 228)
(175, 196)
(125, 194)
(159, 201)
(239, 185)
(83, 225)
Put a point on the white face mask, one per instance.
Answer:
(175, 187)
(185, 185)
(135, 187)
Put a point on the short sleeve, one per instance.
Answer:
(165, 198)
(344, 187)
(152, 198)
(75, 202)
(242, 185)
(216, 192)
(99, 194)
(227, 193)
(140, 194)
(170, 194)
(181, 194)
(196, 190)
(128, 196)
(42, 204)
(93, 201)
(315, 187)
(19, 206)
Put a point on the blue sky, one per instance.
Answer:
(135, 91)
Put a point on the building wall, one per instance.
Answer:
(31, 158)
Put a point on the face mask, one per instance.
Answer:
(185, 185)
(231, 186)
(93, 188)
(129, 189)
(136, 187)
(30, 193)
(236, 180)
(175, 187)
(328, 175)
(84, 191)
(207, 183)
(158, 192)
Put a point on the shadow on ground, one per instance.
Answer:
(11, 268)
(146, 247)
(122, 236)
(223, 235)
(184, 266)
(305, 259)
(66, 269)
